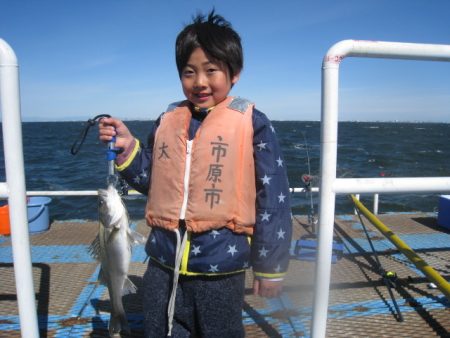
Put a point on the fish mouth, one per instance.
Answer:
(102, 193)
(102, 196)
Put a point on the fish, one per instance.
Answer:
(112, 248)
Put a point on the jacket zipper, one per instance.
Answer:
(187, 171)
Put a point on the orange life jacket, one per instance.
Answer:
(208, 181)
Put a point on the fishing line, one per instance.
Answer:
(80, 140)
(111, 153)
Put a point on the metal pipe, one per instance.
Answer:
(391, 185)
(386, 50)
(303, 189)
(423, 266)
(327, 199)
(375, 203)
(329, 130)
(4, 192)
(355, 212)
(15, 179)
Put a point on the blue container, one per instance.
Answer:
(38, 214)
(444, 211)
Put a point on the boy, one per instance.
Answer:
(218, 195)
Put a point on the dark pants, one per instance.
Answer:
(204, 306)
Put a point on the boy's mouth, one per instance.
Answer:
(202, 96)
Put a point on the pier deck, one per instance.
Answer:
(71, 304)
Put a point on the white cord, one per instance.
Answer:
(176, 272)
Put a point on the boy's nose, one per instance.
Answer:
(200, 81)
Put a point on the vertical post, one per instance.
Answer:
(355, 211)
(375, 204)
(328, 159)
(329, 186)
(15, 178)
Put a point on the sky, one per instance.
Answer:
(80, 58)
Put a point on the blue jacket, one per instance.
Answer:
(221, 251)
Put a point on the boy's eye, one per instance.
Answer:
(211, 70)
(187, 72)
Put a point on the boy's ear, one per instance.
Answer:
(235, 78)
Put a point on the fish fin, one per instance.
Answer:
(136, 238)
(94, 248)
(128, 287)
(101, 277)
(118, 323)
(112, 235)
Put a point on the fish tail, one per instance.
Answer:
(118, 323)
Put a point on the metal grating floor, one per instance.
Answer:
(71, 304)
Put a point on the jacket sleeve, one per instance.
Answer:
(134, 165)
(273, 229)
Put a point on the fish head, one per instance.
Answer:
(110, 207)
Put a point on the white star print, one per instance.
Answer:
(246, 265)
(214, 233)
(196, 250)
(280, 161)
(272, 128)
(281, 197)
(265, 216)
(261, 145)
(263, 252)
(232, 250)
(153, 239)
(161, 259)
(213, 268)
(278, 268)
(266, 179)
(136, 179)
(143, 174)
(280, 234)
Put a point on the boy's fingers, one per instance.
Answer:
(256, 287)
(267, 289)
(108, 122)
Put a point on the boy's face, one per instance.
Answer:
(206, 82)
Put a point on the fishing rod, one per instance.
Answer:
(111, 154)
(306, 245)
(389, 278)
(307, 179)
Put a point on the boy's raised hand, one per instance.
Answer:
(109, 127)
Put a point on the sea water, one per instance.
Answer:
(365, 149)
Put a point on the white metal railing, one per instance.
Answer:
(329, 184)
(4, 194)
(14, 189)
(131, 192)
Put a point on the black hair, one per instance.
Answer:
(216, 37)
